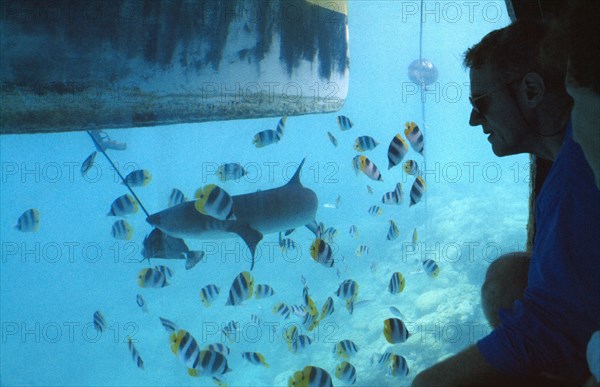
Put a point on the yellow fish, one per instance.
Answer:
(369, 168)
(138, 178)
(414, 136)
(214, 201)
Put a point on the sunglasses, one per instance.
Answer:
(478, 103)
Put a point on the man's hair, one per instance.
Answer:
(514, 51)
(583, 43)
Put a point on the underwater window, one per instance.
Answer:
(212, 137)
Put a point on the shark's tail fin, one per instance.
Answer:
(250, 236)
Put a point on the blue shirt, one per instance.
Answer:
(548, 329)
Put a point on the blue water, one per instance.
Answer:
(474, 209)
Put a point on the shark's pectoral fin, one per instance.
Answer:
(250, 236)
(314, 228)
(192, 258)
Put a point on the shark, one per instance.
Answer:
(256, 214)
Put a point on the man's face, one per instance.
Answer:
(499, 114)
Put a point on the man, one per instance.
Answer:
(545, 308)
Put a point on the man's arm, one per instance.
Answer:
(469, 368)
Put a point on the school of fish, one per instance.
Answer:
(309, 310)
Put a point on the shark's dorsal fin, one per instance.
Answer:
(296, 178)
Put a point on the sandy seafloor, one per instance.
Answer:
(475, 208)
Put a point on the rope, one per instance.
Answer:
(121, 176)
(422, 127)
(421, 66)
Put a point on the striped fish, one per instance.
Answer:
(417, 190)
(395, 331)
(230, 171)
(344, 123)
(310, 321)
(254, 318)
(99, 321)
(219, 347)
(431, 268)
(121, 230)
(365, 143)
(211, 363)
(369, 168)
(87, 163)
(345, 349)
(300, 344)
(286, 244)
(198, 362)
(311, 308)
(332, 138)
(393, 232)
(396, 151)
(354, 231)
(290, 334)
(135, 355)
(411, 167)
(329, 233)
(208, 294)
(281, 126)
(255, 358)
(356, 164)
(346, 373)
(390, 198)
(214, 201)
(123, 205)
(398, 366)
(166, 270)
(231, 330)
(241, 288)
(282, 309)
(362, 249)
(328, 308)
(299, 310)
(399, 193)
(29, 221)
(347, 290)
(311, 376)
(169, 325)
(138, 178)
(266, 137)
(412, 246)
(414, 136)
(375, 210)
(397, 283)
(381, 360)
(321, 252)
(263, 291)
(151, 278)
(176, 197)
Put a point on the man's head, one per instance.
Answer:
(519, 102)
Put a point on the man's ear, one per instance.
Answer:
(534, 88)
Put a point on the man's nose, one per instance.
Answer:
(475, 118)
